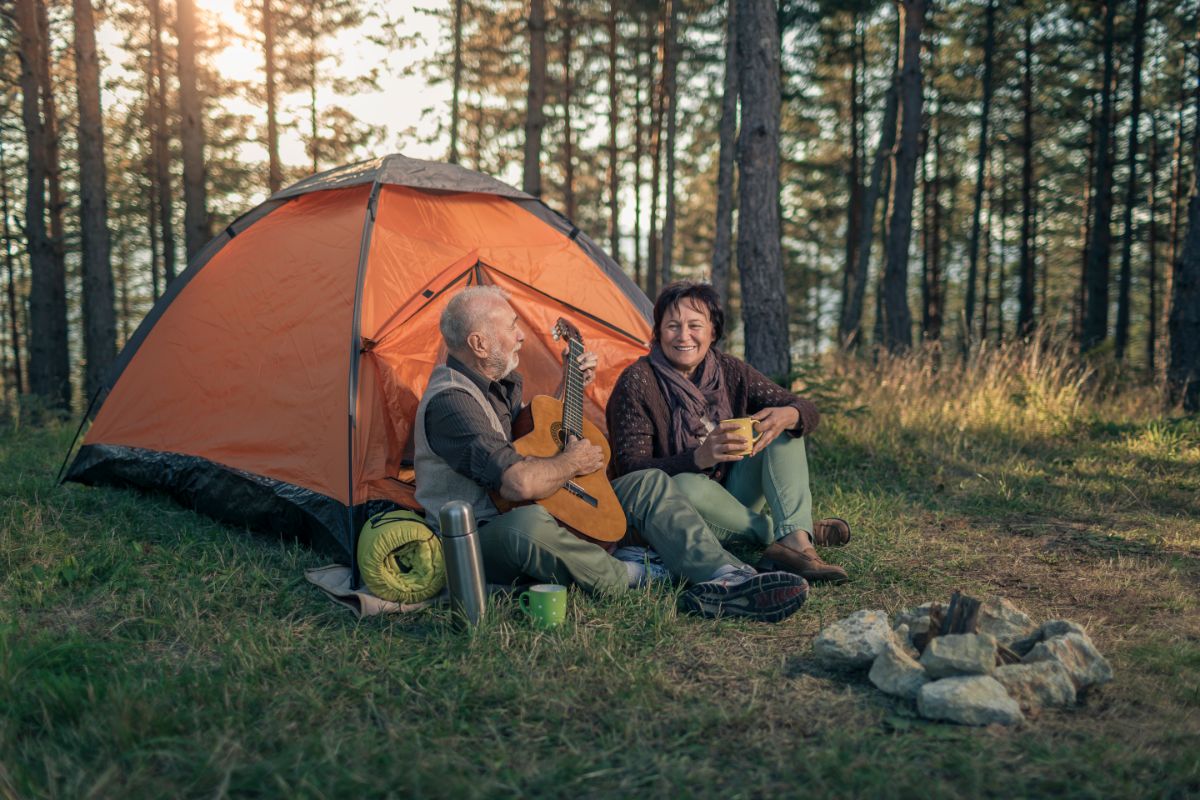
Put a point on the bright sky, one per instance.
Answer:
(397, 106)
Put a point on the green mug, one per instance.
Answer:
(546, 604)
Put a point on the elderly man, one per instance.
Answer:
(464, 451)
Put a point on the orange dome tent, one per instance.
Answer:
(274, 384)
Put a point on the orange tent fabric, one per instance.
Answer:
(274, 384)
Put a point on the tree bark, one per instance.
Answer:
(854, 178)
(760, 259)
(656, 125)
(274, 168)
(850, 323)
(934, 307)
(568, 36)
(897, 317)
(55, 203)
(614, 99)
(723, 239)
(1183, 322)
(989, 51)
(456, 79)
(49, 368)
(10, 261)
(162, 151)
(99, 322)
(1131, 190)
(1095, 318)
(1026, 288)
(191, 127)
(670, 67)
(639, 145)
(1152, 260)
(535, 97)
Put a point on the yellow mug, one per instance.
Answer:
(746, 429)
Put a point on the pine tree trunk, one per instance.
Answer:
(934, 315)
(760, 259)
(191, 130)
(151, 195)
(99, 322)
(723, 239)
(614, 98)
(1002, 249)
(850, 323)
(456, 79)
(670, 66)
(568, 36)
(49, 369)
(55, 202)
(989, 250)
(1078, 309)
(535, 97)
(854, 178)
(1183, 322)
(162, 151)
(656, 125)
(1152, 261)
(10, 262)
(1026, 289)
(989, 52)
(897, 317)
(274, 169)
(1095, 318)
(638, 149)
(1131, 191)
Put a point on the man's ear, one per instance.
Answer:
(477, 344)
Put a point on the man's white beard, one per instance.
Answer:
(496, 363)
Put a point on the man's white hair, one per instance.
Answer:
(466, 312)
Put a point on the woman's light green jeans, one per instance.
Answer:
(775, 480)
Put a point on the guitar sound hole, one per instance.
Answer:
(556, 433)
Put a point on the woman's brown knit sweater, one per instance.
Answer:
(639, 421)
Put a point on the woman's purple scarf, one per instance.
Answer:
(697, 404)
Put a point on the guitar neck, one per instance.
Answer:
(572, 421)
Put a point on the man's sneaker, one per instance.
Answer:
(761, 596)
(656, 570)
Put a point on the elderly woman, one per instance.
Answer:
(667, 411)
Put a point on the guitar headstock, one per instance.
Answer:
(564, 329)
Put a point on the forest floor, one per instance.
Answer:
(146, 651)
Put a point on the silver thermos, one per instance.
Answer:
(464, 561)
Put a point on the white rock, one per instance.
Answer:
(1042, 684)
(1076, 652)
(959, 654)
(903, 639)
(970, 700)
(854, 641)
(1048, 630)
(1000, 618)
(897, 673)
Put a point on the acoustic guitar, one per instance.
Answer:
(587, 504)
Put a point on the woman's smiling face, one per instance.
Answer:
(685, 335)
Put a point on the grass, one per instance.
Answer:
(146, 651)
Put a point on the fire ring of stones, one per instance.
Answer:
(971, 662)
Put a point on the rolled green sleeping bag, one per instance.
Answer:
(400, 558)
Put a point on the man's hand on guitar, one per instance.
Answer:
(583, 457)
(587, 366)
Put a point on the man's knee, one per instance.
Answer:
(529, 525)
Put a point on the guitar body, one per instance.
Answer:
(587, 504)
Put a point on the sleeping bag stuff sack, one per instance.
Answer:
(400, 558)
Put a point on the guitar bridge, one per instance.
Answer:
(578, 491)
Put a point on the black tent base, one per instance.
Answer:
(227, 495)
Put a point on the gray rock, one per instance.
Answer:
(1042, 684)
(970, 700)
(1048, 630)
(902, 638)
(916, 618)
(960, 654)
(1000, 618)
(853, 642)
(897, 673)
(1076, 652)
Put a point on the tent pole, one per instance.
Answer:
(355, 356)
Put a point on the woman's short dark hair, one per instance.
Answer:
(701, 295)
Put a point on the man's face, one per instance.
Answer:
(505, 338)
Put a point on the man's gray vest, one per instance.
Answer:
(437, 482)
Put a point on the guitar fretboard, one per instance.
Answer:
(573, 394)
